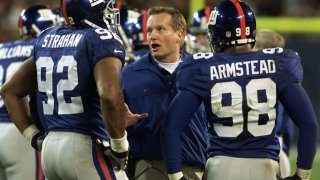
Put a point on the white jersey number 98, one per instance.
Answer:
(235, 109)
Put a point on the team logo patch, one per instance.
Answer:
(117, 51)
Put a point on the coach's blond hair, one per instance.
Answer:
(178, 22)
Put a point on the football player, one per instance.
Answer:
(76, 70)
(241, 91)
(197, 40)
(17, 158)
(132, 32)
(136, 31)
(266, 38)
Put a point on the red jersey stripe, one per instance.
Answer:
(103, 165)
(40, 175)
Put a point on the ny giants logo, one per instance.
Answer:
(213, 17)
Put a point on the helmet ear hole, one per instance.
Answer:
(231, 23)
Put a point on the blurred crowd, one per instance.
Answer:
(10, 9)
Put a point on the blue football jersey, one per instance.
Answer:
(12, 54)
(65, 61)
(240, 92)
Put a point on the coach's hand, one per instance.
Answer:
(131, 118)
(37, 141)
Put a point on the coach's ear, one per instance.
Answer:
(180, 36)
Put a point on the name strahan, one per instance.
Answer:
(236, 69)
(57, 41)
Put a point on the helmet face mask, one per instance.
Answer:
(90, 13)
(111, 16)
(231, 23)
(35, 19)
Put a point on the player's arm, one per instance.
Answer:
(107, 77)
(303, 115)
(14, 93)
(179, 115)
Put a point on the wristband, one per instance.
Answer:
(175, 176)
(304, 174)
(30, 131)
(120, 145)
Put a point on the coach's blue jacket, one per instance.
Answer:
(149, 88)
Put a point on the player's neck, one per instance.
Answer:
(238, 49)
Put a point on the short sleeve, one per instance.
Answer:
(292, 71)
(104, 43)
(190, 77)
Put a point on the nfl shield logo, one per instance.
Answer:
(228, 34)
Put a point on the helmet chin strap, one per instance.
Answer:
(91, 24)
(36, 29)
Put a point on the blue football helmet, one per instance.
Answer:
(200, 20)
(232, 22)
(90, 13)
(36, 19)
(126, 15)
(136, 29)
(196, 41)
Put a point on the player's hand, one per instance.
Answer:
(119, 161)
(301, 174)
(177, 176)
(183, 178)
(294, 177)
(132, 119)
(37, 141)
